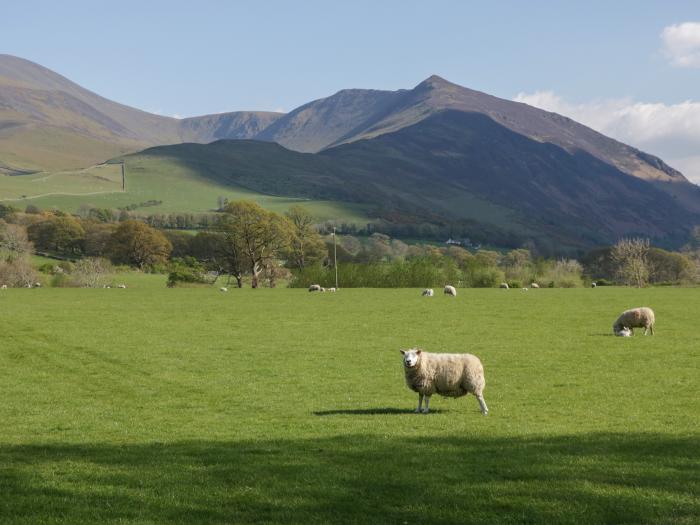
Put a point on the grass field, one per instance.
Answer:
(154, 405)
(179, 188)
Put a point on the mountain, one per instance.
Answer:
(436, 154)
(352, 115)
(49, 122)
(454, 167)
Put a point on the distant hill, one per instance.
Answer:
(49, 122)
(437, 154)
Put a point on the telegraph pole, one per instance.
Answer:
(123, 178)
(335, 258)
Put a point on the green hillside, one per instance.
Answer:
(180, 187)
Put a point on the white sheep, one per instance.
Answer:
(642, 317)
(37, 285)
(504, 286)
(624, 332)
(534, 285)
(121, 286)
(428, 292)
(450, 290)
(524, 289)
(4, 287)
(315, 288)
(331, 289)
(449, 375)
(593, 285)
(223, 289)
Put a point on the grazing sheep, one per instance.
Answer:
(323, 289)
(428, 292)
(642, 317)
(315, 288)
(331, 289)
(524, 289)
(593, 285)
(37, 285)
(121, 286)
(450, 375)
(534, 285)
(504, 286)
(4, 287)
(450, 290)
(223, 289)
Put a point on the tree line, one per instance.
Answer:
(245, 242)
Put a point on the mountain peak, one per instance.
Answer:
(434, 82)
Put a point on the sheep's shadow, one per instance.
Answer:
(385, 411)
(601, 335)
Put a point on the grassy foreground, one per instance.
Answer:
(155, 405)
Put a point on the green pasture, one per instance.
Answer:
(154, 405)
(181, 189)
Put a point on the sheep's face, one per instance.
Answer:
(411, 357)
(624, 332)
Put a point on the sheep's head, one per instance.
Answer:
(411, 357)
(623, 332)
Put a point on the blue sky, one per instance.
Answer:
(187, 58)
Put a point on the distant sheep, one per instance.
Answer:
(450, 290)
(642, 317)
(37, 285)
(449, 375)
(524, 289)
(315, 288)
(223, 289)
(593, 285)
(428, 292)
(534, 285)
(3, 287)
(331, 289)
(121, 286)
(504, 286)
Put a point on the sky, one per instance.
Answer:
(630, 69)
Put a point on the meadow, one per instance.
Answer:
(179, 188)
(153, 405)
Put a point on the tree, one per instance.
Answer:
(218, 252)
(63, 234)
(630, 258)
(256, 234)
(305, 244)
(138, 244)
(14, 243)
(89, 272)
(97, 238)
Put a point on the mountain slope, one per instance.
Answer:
(459, 168)
(352, 115)
(49, 122)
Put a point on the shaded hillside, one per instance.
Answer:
(352, 115)
(457, 167)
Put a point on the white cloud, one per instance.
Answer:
(682, 44)
(671, 131)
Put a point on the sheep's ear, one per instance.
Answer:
(403, 352)
(418, 351)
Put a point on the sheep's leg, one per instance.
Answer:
(420, 403)
(427, 405)
(652, 329)
(482, 404)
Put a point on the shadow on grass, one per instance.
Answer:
(373, 411)
(599, 478)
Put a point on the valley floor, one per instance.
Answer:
(154, 405)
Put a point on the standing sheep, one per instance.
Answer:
(642, 317)
(223, 289)
(450, 375)
(428, 292)
(534, 285)
(450, 290)
(504, 286)
(593, 285)
(315, 288)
